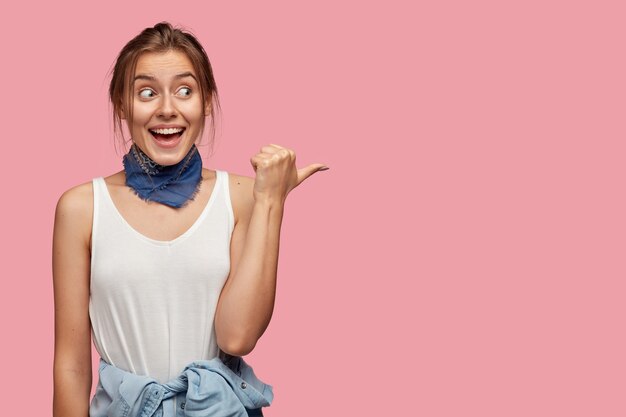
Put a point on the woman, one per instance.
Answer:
(170, 265)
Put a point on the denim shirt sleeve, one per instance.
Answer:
(213, 387)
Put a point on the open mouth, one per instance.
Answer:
(166, 135)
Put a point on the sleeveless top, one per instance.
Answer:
(152, 302)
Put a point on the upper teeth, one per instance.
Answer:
(168, 131)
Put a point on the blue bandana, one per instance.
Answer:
(172, 185)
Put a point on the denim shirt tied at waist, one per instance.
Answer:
(213, 387)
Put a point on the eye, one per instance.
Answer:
(146, 90)
(186, 90)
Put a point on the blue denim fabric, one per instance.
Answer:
(204, 388)
(172, 185)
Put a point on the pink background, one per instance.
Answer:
(464, 254)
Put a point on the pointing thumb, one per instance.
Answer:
(306, 172)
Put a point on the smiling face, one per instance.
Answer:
(167, 106)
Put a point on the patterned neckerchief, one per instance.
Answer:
(172, 185)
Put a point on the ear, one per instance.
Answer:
(207, 108)
(122, 114)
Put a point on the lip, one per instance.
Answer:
(167, 144)
(166, 126)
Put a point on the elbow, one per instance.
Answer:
(234, 340)
(239, 347)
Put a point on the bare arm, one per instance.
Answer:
(246, 303)
(72, 328)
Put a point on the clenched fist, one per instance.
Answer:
(276, 173)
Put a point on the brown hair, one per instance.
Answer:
(160, 38)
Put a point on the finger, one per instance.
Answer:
(260, 159)
(269, 149)
(278, 146)
(254, 161)
(304, 173)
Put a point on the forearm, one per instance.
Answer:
(248, 302)
(71, 393)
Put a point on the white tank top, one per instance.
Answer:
(152, 302)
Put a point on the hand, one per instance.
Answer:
(276, 173)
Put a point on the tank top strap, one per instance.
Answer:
(100, 199)
(224, 188)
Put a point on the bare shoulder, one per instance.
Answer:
(241, 195)
(75, 205)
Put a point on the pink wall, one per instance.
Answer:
(464, 254)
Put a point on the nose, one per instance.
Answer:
(167, 108)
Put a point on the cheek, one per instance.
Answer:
(192, 109)
(142, 113)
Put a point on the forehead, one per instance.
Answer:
(163, 64)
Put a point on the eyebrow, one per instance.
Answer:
(176, 77)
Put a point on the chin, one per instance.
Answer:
(168, 156)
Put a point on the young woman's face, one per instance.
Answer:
(166, 96)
